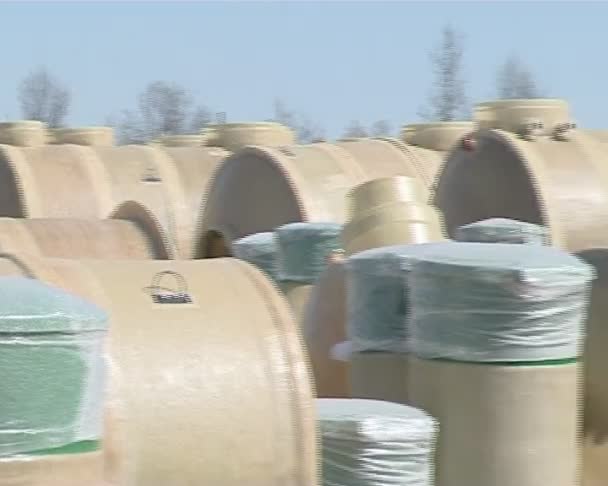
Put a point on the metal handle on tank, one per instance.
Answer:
(168, 295)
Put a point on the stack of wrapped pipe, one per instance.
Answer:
(259, 249)
(495, 339)
(378, 315)
(375, 443)
(52, 390)
(502, 230)
(303, 250)
(389, 211)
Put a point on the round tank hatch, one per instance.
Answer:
(24, 133)
(87, 136)
(234, 136)
(440, 136)
(536, 116)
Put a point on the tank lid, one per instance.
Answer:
(88, 136)
(541, 116)
(440, 136)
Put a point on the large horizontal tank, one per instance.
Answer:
(195, 165)
(131, 234)
(196, 385)
(527, 162)
(53, 181)
(259, 188)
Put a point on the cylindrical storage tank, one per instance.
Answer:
(259, 249)
(440, 136)
(378, 320)
(146, 175)
(195, 167)
(324, 328)
(303, 249)
(546, 181)
(236, 383)
(88, 136)
(501, 230)
(53, 181)
(389, 211)
(235, 136)
(375, 443)
(52, 397)
(260, 188)
(82, 238)
(497, 332)
(26, 133)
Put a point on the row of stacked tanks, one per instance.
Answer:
(233, 308)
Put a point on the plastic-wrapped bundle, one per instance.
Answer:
(375, 443)
(304, 249)
(377, 303)
(496, 333)
(501, 230)
(497, 302)
(52, 366)
(259, 249)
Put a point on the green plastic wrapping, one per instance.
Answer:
(304, 248)
(259, 249)
(375, 443)
(377, 297)
(495, 302)
(52, 368)
(501, 230)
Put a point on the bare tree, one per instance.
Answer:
(448, 100)
(163, 109)
(515, 80)
(381, 128)
(306, 130)
(44, 98)
(355, 130)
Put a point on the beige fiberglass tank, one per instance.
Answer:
(53, 181)
(260, 188)
(146, 175)
(84, 238)
(195, 166)
(528, 162)
(243, 383)
(389, 211)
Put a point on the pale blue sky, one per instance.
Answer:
(335, 62)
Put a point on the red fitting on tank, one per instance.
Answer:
(469, 144)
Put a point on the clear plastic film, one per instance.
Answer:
(501, 230)
(52, 362)
(259, 249)
(375, 443)
(304, 248)
(480, 302)
(377, 304)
